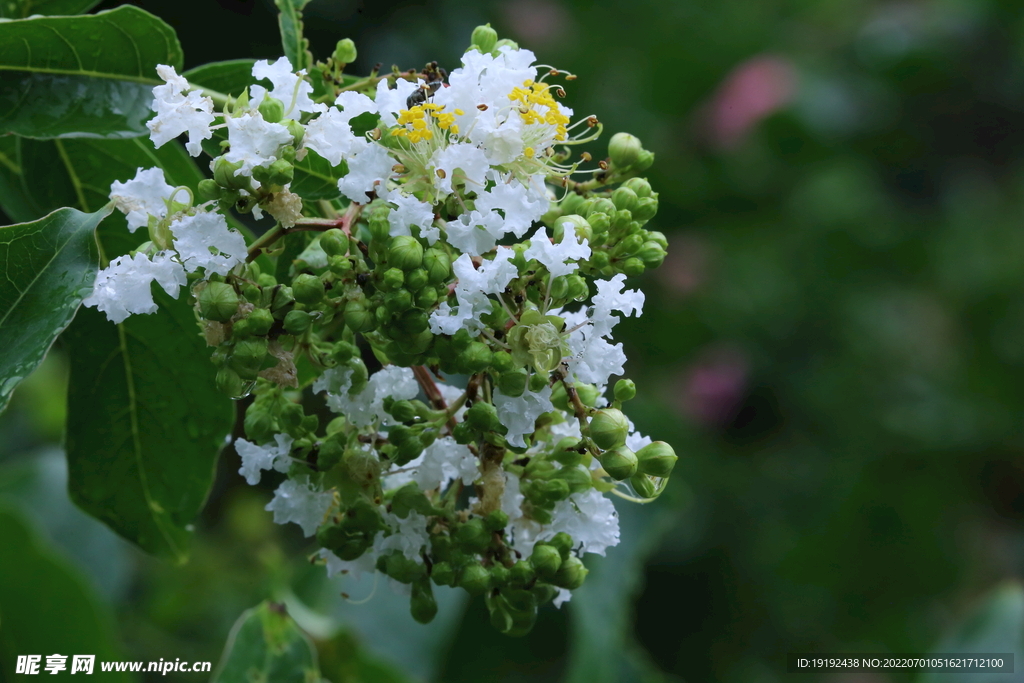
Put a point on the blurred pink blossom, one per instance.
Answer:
(686, 265)
(711, 389)
(752, 91)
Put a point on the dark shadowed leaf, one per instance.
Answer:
(265, 644)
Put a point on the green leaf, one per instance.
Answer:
(995, 626)
(265, 645)
(296, 48)
(84, 76)
(50, 267)
(45, 606)
(19, 9)
(315, 178)
(230, 77)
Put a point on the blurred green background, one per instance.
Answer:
(835, 346)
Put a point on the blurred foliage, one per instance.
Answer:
(836, 344)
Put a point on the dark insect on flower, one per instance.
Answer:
(433, 77)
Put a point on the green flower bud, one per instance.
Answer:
(297, 132)
(496, 520)
(477, 357)
(522, 573)
(247, 357)
(280, 172)
(563, 543)
(398, 301)
(392, 279)
(380, 228)
(281, 301)
(640, 186)
(652, 254)
(344, 351)
(297, 322)
(410, 498)
(573, 203)
(474, 579)
(505, 42)
(403, 411)
(473, 536)
(224, 175)
(577, 287)
(438, 265)
(578, 480)
(308, 289)
(499, 576)
(630, 245)
(624, 199)
(209, 190)
(577, 223)
(229, 383)
(426, 297)
(266, 280)
(624, 149)
(334, 242)
(401, 568)
(543, 592)
(416, 280)
(259, 424)
(620, 463)
(502, 361)
(357, 318)
(218, 301)
(603, 205)
(513, 383)
(546, 561)
(484, 38)
(442, 574)
(599, 223)
(657, 459)
(645, 209)
(599, 259)
(625, 390)
(643, 485)
(609, 428)
(290, 417)
(644, 162)
(633, 267)
(484, 417)
(538, 381)
(621, 220)
(272, 109)
(345, 51)
(259, 321)
(571, 574)
(501, 617)
(464, 433)
(406, 252)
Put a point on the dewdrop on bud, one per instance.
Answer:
(484, 38)
(620, 463)
(345, 51)
(643, 485)
(422, 604)
(657, 459)
(624, 149)
(406, 253)
(218, 301)
(609, 428)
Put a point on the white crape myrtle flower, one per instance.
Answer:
(178, 113)
(520, 205)
(143, 196)
(369, 167)
(367, 406)
(255, 458)
(205, 241)
(610, 297)
(441, 462)
(391, 101)
(462, 156)
(330, 134)
(471, 291)
(519, 414)
(410, 211)
(554, 256)
(355, 569)
(254, 141)
(475, 233)
(123, 287)
(408, 536)
(289, 87)
(296, 500)
(589, 517)
(594, 359)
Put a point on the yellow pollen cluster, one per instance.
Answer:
(413, 122)
(533, 95)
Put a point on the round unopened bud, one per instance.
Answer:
(496, 520)
(624, 199)
(657, 459)
(502, 361)
(630, 245)
(357, 318)
(224, 174)
(625, 390)
(297, 322)
(228, 382)
(392, 279)
(652, 254)
(259, 424)
(218, 301)
(645, 209)
(499, 576)
(483, 416)
(426, 297)
(640, 186)
(259, 322)
(624, 149)
(578, 480)
(477, 357)
(571, 574)
(345, 51)
(574, 222)
(406, 252)
(473, 535)
(603, 205)
(609, 428)
(546, 561)
(398, 301)
(280, 172)
(643, 485)
(522, 573)
(416, 279)
(599, 222)
(474, 579)
(484, 38)
(282, 299)
(505, 42)
(513, 383)
(442, 574)
(573, 203)
(644, 161)
(438, 265)
(334, 242)
(247, 357)
(209, 189)
(620, 463)
(633, 267)
(563, 543)
(577, 287)
(272, 109)
(297, 131)
(308, 289)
